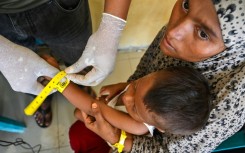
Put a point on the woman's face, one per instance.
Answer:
(193, 32)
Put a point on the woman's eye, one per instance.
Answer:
(202, 35)
(185, 5)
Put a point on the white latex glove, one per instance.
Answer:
(21, 67)
(100, 52)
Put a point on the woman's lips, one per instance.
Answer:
(167, 44)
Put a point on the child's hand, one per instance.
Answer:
(44, 80)
(109, 91)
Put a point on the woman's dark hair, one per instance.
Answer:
(180, 100)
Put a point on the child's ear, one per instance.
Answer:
(128, 100)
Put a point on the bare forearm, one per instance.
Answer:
(78, 98)
(83, 101)
(128, 144)
(117, 8)
(122, 120)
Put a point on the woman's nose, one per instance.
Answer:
(180, 30)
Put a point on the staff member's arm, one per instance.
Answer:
(101, 49)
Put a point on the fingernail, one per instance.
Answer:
(40, 79)
(94, 105)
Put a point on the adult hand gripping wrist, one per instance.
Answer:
(21, 67)
(100, 52)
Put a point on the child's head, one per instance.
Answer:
(174, 100)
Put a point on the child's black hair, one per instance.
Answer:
(179, 99)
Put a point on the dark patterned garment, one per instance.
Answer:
(226, 75)
(15, 6)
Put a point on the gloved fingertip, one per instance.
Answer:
(69, 69)
(68, 76)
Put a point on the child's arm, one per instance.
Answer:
(83, 101)
(122, 120)
(78, 98)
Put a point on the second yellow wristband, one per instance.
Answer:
(120, 144)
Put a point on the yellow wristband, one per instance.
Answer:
(62, 84)
(55, 83)
(120, 144)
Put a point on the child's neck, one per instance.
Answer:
(119, 100)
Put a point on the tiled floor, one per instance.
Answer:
(55, 138)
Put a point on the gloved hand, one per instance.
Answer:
(100, 52)
(21, 67)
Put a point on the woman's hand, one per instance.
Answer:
(100, 126)
(110, 91)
